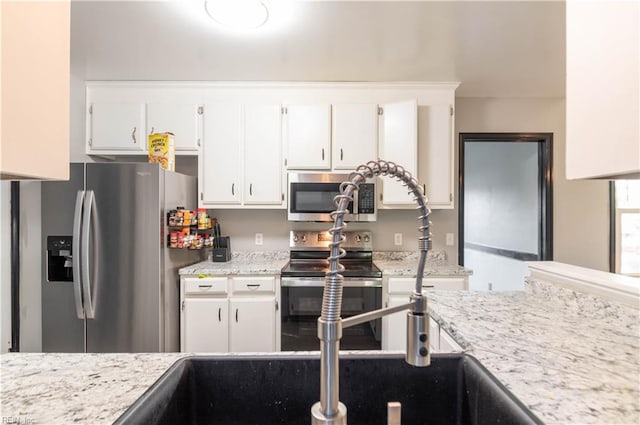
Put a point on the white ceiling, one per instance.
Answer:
(495, 49)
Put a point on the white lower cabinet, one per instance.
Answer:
(220, 314)
(206, 325)
(252, 326)
(396, 291)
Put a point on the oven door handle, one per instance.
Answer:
(315, 282)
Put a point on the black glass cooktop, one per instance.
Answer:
(360, 266)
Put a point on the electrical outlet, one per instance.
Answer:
(449, 241)
(397, 239)
(259, 239)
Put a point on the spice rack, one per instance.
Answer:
(186, 229)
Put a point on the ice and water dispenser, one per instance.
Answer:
(59, 261)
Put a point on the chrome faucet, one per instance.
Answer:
(329, 410)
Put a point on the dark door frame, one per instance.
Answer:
(545, 185)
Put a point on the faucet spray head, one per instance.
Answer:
(418, 352)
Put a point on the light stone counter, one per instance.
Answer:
(74, 388)
(405, 263)
(242, 263)
(570, 357)
(392, 263)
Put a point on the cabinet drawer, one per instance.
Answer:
(253, 285)
(207, 285)
(407, 285)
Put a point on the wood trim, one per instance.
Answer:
(517, 255)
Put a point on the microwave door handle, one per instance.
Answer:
(75, 254)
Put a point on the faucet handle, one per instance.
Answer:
(393, 413)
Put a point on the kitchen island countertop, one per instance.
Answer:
(570, 358)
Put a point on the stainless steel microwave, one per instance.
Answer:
(311, 197)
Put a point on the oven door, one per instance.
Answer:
(302, 304)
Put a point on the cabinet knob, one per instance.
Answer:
(236, 315)
(341, 156)
(323, 154)
(251, 189)
(219, 314)
(133, 135)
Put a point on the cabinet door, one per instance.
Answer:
(219, 162)
(394, 326)
(253, 324)
(399, 144)
(263, 155)
(181, 119)
(354, 135)
(205, 325)
(602, 89)
(308, 134)
(34, 105)
(436, 154)
(117, 127)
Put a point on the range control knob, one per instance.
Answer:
(304, 238)
(358, 238)
(366, 238)
(295, 238)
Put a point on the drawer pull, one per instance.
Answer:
(253, 286)
(236, 315)
(204, 286)
(428, 286)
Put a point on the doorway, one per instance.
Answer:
(506, 206)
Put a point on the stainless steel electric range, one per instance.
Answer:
(302, 282)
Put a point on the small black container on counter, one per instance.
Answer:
(221, 249)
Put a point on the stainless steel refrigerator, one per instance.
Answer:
(110, 284)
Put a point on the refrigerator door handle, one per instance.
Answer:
(75, 253)
(89, 223)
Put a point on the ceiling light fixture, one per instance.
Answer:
(238, 14)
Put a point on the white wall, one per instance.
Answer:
(242, 225)
(581, 215)
(501, 195)
(5, 266)
(30, 267)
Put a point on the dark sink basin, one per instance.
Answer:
(455, 389)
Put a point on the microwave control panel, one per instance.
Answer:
(366, 198)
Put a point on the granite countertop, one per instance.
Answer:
(392, 263)
(242, 263)
(570, 357)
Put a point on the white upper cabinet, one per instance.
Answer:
(34, 106)
(308, 137)
(399, 144)
(355, 135)
(116, 127)
(219, 163)
(262, 155)
(241, 159)
(436, 154)
(603, 89)
(181, 119)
